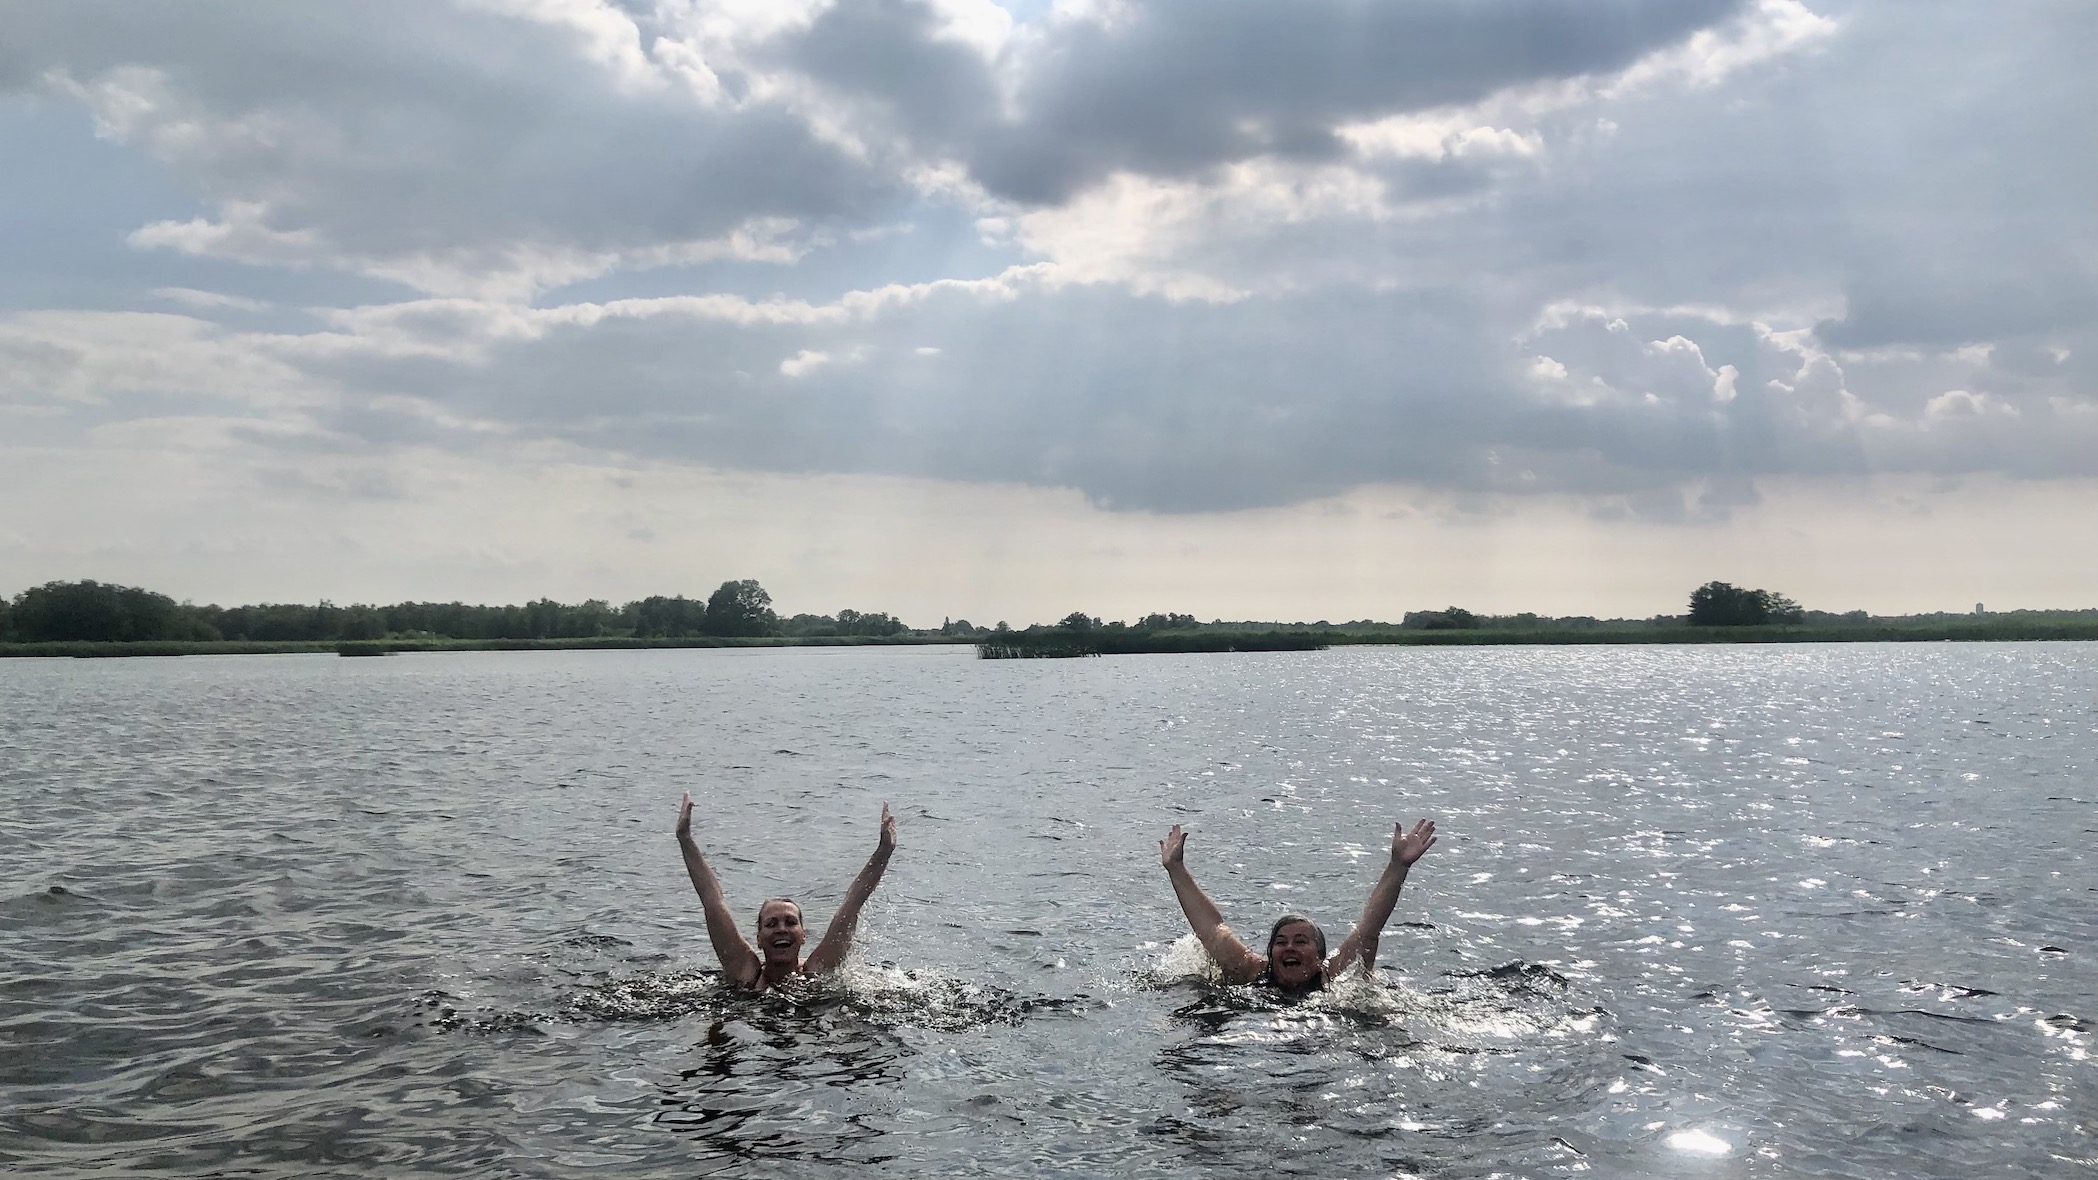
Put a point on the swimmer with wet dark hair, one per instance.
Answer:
(780, 930)
(1296, 960)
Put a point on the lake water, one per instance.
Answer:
(1714, 911)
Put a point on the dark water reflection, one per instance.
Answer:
(1771, 912)
(788, 1090)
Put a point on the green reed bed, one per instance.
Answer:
(1059, 644)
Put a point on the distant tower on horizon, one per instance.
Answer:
(1978, 609)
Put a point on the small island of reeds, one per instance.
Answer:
(1061, 643)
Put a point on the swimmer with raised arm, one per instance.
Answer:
(780, 930)
(1296, 960)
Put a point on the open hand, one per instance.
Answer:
(684, 817)
(1407, 847)
(1173, 848)
(887, 841)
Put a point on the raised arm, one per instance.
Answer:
(837, 938)
(1361, 942)
(1237, 961)
(738, 961)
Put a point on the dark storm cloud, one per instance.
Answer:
(892, 54)
(1174, 87)
(1188, 84)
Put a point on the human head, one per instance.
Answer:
(780, 932)
(1296, 952)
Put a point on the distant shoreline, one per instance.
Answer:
(1053, 643)
(1049, 643)
(77, 649)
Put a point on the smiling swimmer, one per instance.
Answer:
(1296, 960)
(780, 930)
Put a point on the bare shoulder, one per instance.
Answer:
(1238, 962)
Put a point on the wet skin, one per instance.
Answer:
(1293, 961)
(780, 932)
(781, 936)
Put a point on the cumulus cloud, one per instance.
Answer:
(1180, 255)
(450, 147)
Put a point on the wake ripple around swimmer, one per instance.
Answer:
(1493, 1009)
(1419, 1072)
(883, 997)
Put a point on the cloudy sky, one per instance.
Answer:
(1246, 308)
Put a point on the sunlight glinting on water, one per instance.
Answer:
(1783, 911)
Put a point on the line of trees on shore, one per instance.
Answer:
(96, 612)
(1714, 604)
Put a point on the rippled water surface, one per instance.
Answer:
(1769, 911)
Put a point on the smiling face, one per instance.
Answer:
(1296, 954)
(780, 933)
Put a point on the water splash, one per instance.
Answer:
(883, 997)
